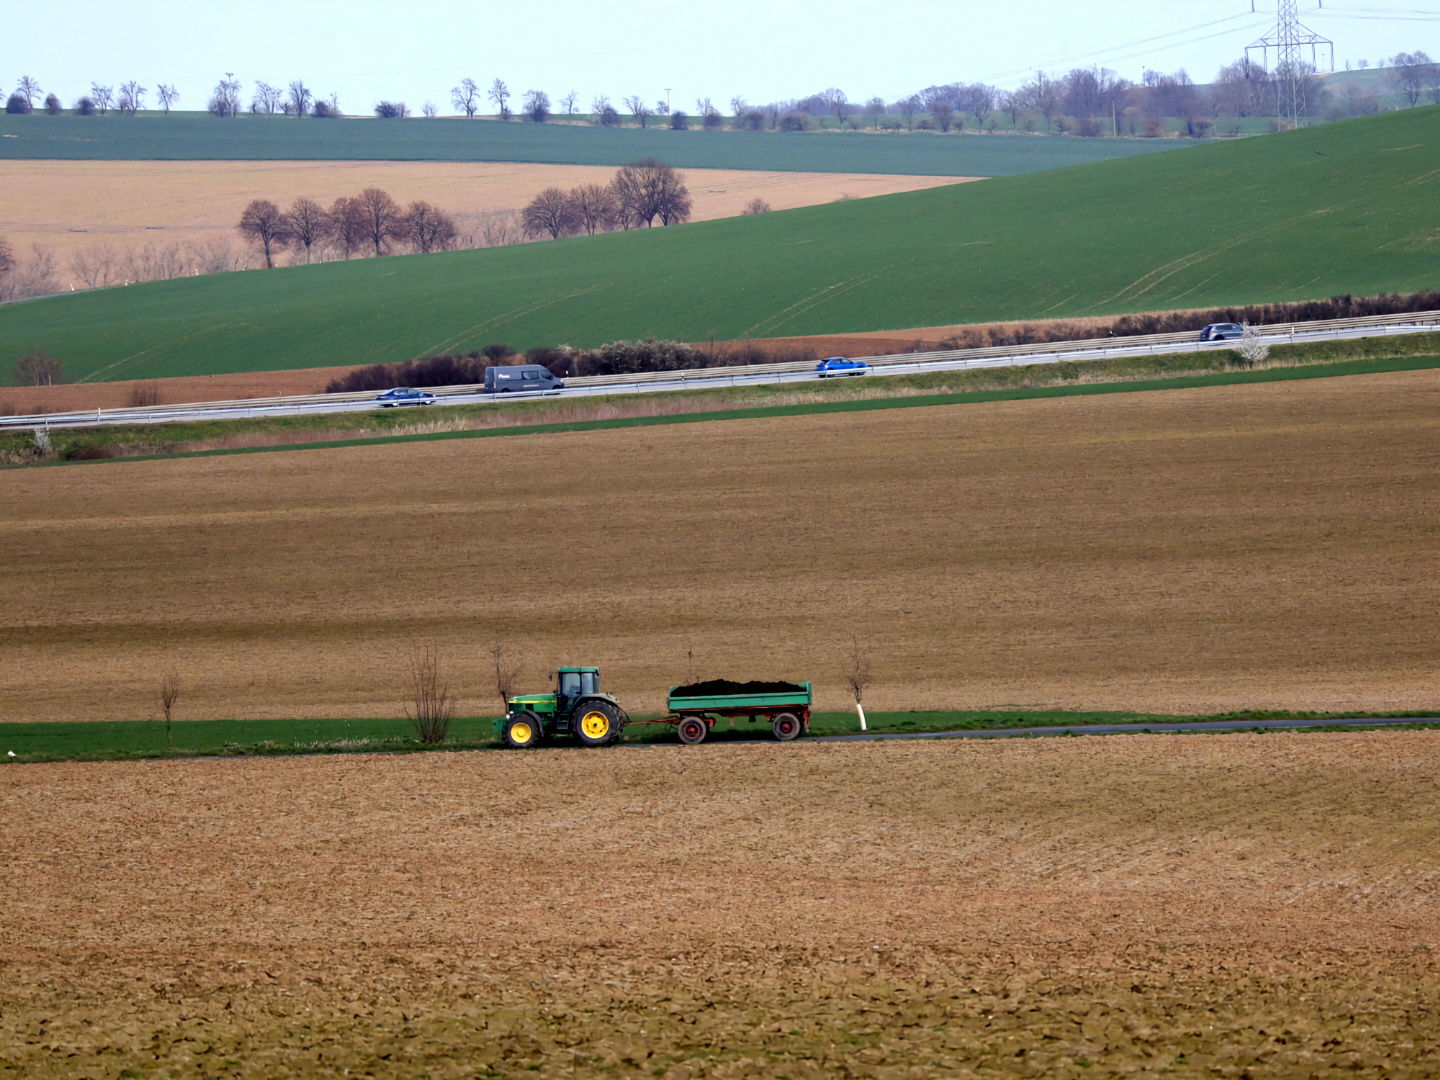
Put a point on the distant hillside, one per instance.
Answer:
(1345, 207)
(201, 137)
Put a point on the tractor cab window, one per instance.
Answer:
(570, 684)
(589, 682)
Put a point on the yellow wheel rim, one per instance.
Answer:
(595, 725)
(521, 732)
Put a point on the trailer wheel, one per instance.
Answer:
(522, 731)
(785, 726)
(596, 723)
(692, 729)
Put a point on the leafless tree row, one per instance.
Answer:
(639, 194)
(369, 223)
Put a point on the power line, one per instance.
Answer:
(1124, 45)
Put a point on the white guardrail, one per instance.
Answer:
(889, 364)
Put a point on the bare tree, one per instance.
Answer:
(266, 99)
(500, 94)
(170, 690)
(429, 110)
(168, 96)
(552, 213)
(28, 88)
(978, 100)
(756, 205)
(300, 98)
(875, 108)
(132, 98)
(392, 110)
(263, 224)
(224, 99)
(37, 368)
(650, 189)
(507, 673)
(836, 102)
(430, 228)
(855, 672)
(431, 707)
(103, 96)
(600, 106)
(908, 107)
(639, 109)
(466, 96)
(569, 101)
(381, 219)
(1409, 72)
(7, 256)
(537, 105)
(594, 207)
(347, 225)
(308, 224)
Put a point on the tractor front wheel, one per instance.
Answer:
(522, 731)
(692, 729)
(786, 726)
(596, 723)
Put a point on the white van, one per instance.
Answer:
(520, 379)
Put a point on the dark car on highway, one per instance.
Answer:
(404, 395)
(1221, 331)
(841, 365)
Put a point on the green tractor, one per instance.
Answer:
(577, 707)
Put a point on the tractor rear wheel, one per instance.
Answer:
(522, 731)
(596, 723)
(785, 726)
(692, 729)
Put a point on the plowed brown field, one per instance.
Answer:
(68, 205)
(1259, 906)
(1181, 551)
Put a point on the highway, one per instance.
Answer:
(759, 375)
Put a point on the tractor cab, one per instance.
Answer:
(573, 683)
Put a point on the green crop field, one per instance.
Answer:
(201, 137)
(1345, 207)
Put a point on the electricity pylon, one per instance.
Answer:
(1289, 39)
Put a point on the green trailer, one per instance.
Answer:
(694, 709)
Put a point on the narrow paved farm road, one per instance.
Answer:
(1126, 729)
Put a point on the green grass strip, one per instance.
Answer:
(130, 740)
(1231, 378)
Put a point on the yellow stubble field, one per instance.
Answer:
(1245, 905)
(1179, 551)
(71, 205)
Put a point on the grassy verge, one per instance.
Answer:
(143, 739)
(1325, 359)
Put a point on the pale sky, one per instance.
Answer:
(366, 50)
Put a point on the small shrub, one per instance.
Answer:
(713, 121)
(1088, 128)
(18, 105)
(85, 106)
(91, 453)
(756, 205)
(1252, 350)
(432, 707)
(40, 442)
(325, 110)
(52, 105)
(497, 353)
(679, 121)
(144, 395)
(391, 110)
(796, 121)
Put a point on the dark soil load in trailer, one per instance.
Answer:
(695, 708)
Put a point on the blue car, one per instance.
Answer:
(404, 395)
(841, 365)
